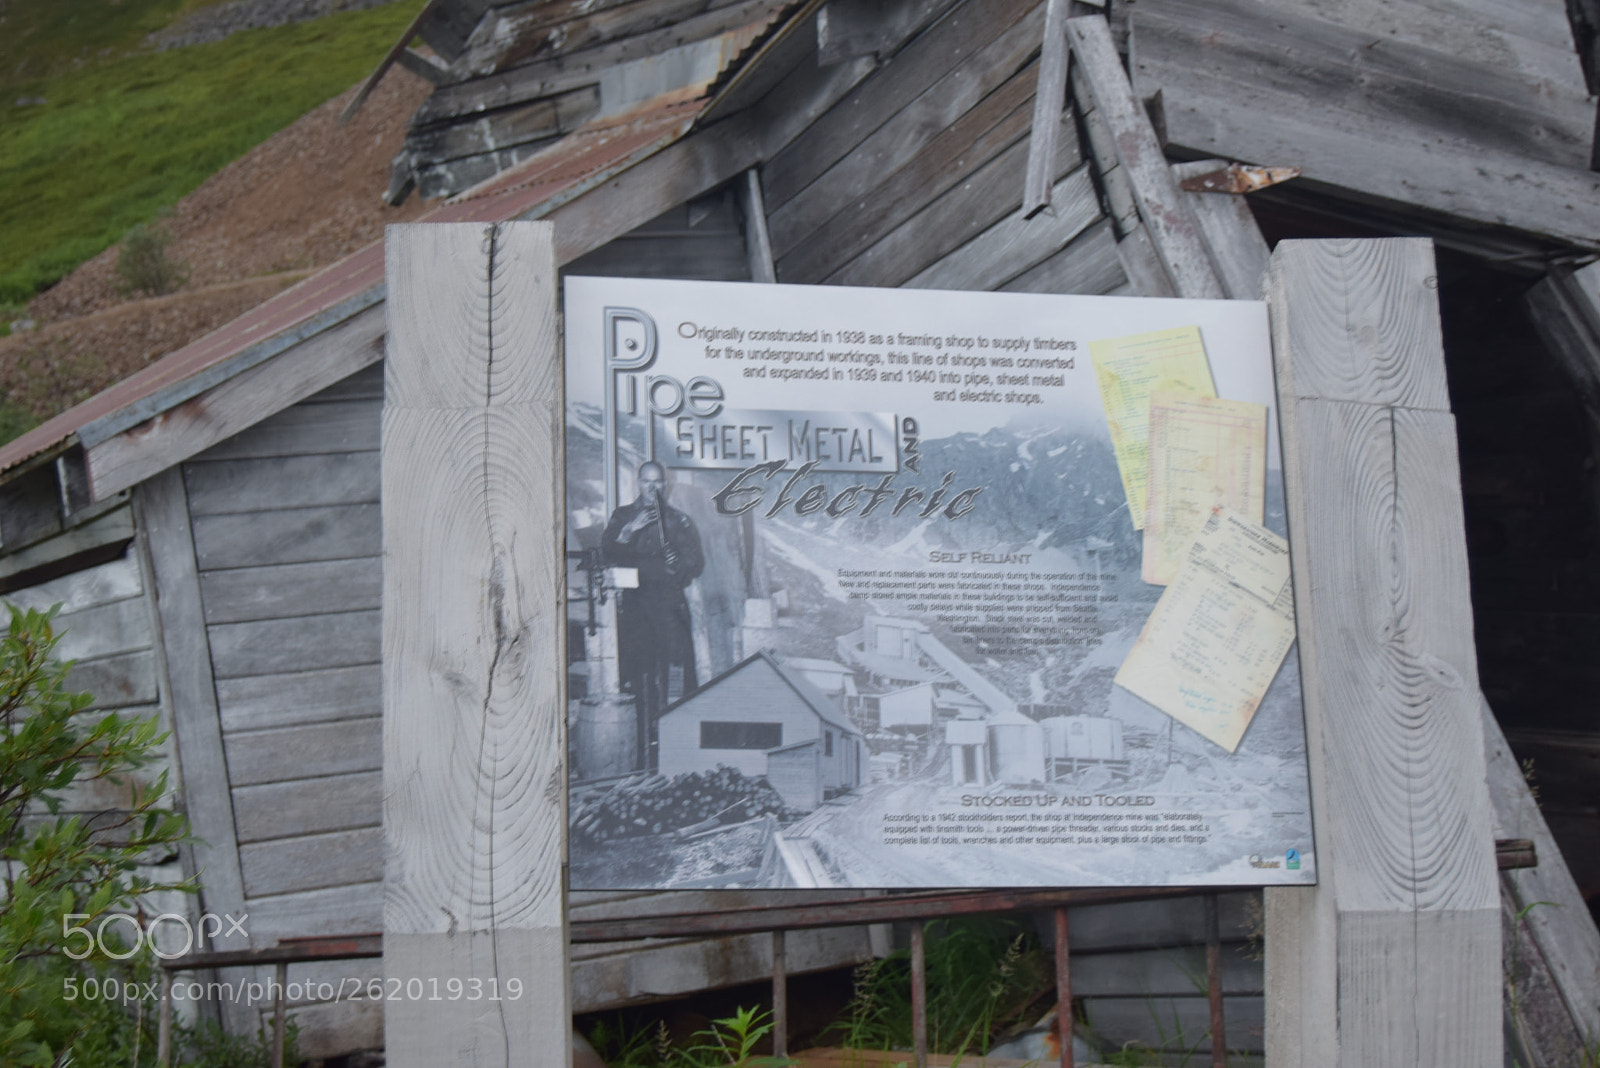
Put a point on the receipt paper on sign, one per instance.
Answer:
(1220, 631)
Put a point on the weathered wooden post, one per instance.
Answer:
(473, 778)
(1394, 957)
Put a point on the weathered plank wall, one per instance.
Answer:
(286, 542)
(105, 625)
(913, 178)
(701, 240)
(287, 562)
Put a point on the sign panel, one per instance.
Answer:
(900, 588)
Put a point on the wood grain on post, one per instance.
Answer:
(473, 736)
(1394, 957)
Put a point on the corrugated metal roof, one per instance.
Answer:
(584, 158)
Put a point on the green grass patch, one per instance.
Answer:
(124, 138)
(44, 37)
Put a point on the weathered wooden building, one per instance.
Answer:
(212, 523)
(801, 742)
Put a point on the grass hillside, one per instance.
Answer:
(124, 133)
(42, 38)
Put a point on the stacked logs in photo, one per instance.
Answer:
(656, 804)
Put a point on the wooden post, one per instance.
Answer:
(189, 691)
(757, 241)
(280, 980)
(780, 996)
(164, 1023)
(1394, 957)
(1049, 100)
(474, 779)
(1176, 235)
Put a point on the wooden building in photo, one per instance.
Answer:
(766, 720)
(212, 523)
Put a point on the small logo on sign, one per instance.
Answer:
(1291, 859)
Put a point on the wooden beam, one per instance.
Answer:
(183, 659)
(1143, 266)
(423, 66)
(473, 629)
(1239, 253)
(1250, 50)
(94, 542)
(1048, 103)
(396, 51)
(289, 374)
(1114, 183)
(1545, 897)
(1565, 309)
(1394, 956)
(1172, 228)
(757, 242)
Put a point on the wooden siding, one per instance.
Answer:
(916, 176)
(1403, 117)
(702, 240)
(105, 625)
(796, 773)
(287, 541)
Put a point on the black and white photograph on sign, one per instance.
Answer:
(905, 588)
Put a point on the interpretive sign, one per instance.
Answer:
(900, 588)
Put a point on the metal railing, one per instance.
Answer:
(846, 910)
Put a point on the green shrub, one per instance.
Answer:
(143, 264)
(58, 866)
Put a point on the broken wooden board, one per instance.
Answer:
(1367, 117)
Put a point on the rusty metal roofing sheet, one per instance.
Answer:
(584, 158)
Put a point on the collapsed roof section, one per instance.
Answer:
(893, 141)
(519, 76)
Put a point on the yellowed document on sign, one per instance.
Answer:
(1219, 633)
(1128, 369)
(1204, 453)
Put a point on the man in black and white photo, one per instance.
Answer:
(655, 638)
